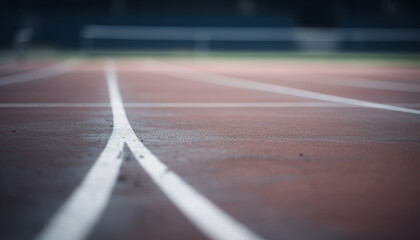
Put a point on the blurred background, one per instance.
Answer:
(217, 25)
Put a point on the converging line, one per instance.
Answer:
(81, 212)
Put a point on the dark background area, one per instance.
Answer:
(58, 23)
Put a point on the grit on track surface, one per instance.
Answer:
(286, 167)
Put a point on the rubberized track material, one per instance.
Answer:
(215, 149)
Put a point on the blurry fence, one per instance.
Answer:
(203, 39)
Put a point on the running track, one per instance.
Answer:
(209, 149)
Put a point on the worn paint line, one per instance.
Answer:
(356, 82)
(47, 72)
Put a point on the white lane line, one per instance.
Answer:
(199, 105)
(206, 216)
(195, 75)
(79, 214)
(75, 219)
(355, 82)
(374, 84)
(54, 105)
(51, 71)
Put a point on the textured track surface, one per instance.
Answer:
(285, 172)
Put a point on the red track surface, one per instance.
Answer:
(284, 172)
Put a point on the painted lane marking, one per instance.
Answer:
(195, 75)
(80, 213)
(51, 71)
(54, 105)
(75, 219)
(199, 105)
(357, 82)
(374, 84)
(207, 217)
